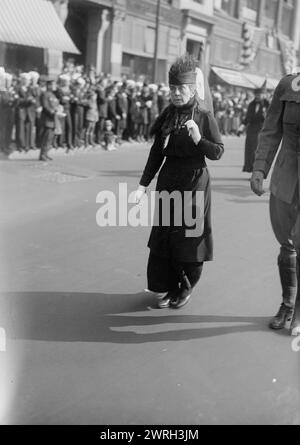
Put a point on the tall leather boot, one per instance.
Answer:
(295, 325)
(287, 263)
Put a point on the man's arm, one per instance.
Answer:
(270, 135)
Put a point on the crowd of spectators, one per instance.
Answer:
(90, 109)
(230, 108)
(95, 110)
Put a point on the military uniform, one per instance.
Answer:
(282, 124)
(49, 104)
(64, 96)
(77, 111)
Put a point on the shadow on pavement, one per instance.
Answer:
(115, 318)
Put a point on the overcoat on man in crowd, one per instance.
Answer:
(254, 120)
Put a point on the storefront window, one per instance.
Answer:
(195, 49)
(226, 52)
(271, 9)
(250, 10)
(137, 67)
(252, 4)
(229, 6)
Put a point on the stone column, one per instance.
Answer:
(54, 58)
(296, 27)
(278, 15)
(183, 37)
(260, 12)
(119, 15)
(105, 23)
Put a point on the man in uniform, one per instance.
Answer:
(282, 124)
(77, 109)
(49, 104)
(63, 94)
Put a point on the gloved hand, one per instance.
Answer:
(139, 194)
(257, 182)
(194, 131)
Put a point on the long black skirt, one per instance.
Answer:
(165, 275)
(189, 238)
(177, 251)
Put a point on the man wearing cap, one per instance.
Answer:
(254, 121)
(185, 134)
(77, 109)
(102, 110)
(282, 125)
(63, 94)
(49, 104)
(122, 109)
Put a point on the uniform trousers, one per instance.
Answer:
(46, 140)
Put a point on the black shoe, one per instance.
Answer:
(166, 301)
(283, 316)
(181, 299)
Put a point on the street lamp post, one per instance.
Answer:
(155, 59)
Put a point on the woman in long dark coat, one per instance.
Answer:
(254, 121)
(184, 135)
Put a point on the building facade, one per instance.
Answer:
(255, 38)
(118, 36)
(271, 38)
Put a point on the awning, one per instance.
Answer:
(234, 78)
(33, 23)
(259, 81)
(244, 80)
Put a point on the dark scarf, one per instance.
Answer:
(173, 118)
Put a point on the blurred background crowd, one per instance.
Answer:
(231, 109)
(88, 109)
(94, 110)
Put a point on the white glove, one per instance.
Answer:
(139, 194)
(194, 131)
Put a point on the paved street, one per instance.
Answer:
(85, 343)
